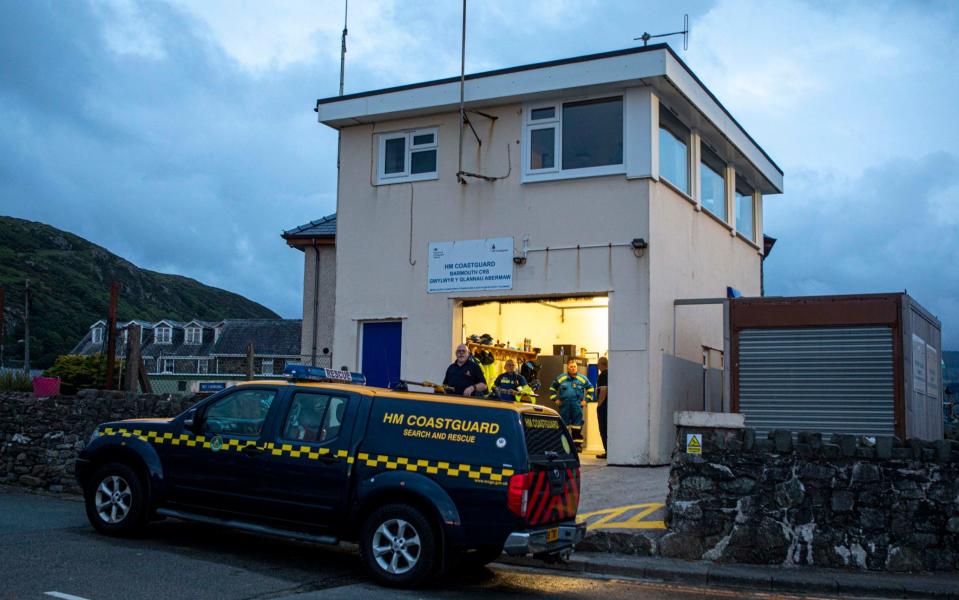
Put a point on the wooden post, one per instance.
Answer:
(112, 335)
(132, 375)
(3, 330)
(145, 386)
(249, 361)
(26, 328)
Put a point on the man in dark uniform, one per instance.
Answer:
(508, 381)
(464, 375)
(602, 408)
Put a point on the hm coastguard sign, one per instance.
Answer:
(471, 265)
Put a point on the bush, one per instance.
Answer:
(78, 372)
(12, 380)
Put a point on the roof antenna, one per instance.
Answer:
(685, 33)
(346, 9)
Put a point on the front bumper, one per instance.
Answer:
(534, 541)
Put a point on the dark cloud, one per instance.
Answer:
(180, 162)
(893, 228)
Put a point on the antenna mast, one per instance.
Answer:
(346, 9)
(685, 33)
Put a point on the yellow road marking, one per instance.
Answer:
(612, 518)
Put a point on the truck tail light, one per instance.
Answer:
(517, 497)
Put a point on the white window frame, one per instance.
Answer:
(203, 366)
(263, 364)
(193, 336)
(383, 178)
(97, 335)
(125, 337)
(556, 122)
(171, 362)
(167, 337)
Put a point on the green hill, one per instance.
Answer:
(70, 288)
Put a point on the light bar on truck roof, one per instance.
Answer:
(322, 374)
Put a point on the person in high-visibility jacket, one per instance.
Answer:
(571, 391)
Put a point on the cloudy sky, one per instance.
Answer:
(181, 135)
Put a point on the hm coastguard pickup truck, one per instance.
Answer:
(419, 481)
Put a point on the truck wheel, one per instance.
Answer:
(116, 501)
(397, 545)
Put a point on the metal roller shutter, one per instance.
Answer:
(825, 379)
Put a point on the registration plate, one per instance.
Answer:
(552, 534)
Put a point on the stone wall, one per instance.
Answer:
(866, 503)
(40, 437)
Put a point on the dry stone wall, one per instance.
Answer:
(865, 503)
(40, 437)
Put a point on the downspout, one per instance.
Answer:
(316, 300)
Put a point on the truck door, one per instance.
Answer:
(220, 465)
(308, 461)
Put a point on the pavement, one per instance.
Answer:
(623, 499)
(758, 578)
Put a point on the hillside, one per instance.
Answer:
(70, 288)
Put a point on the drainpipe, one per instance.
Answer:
(316, 300)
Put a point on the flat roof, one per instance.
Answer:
(657, 65)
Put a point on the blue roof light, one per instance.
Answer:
(308, 373)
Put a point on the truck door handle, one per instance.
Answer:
(252, 450)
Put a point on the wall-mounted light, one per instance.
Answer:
(519, 260)
(639, 246)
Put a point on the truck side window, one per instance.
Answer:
(241, 413)
(307, 418)
(334, 419)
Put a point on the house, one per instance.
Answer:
(203, 351)
(317, 241)
(559, 213)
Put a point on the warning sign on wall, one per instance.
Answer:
(694, 443)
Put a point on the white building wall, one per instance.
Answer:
(318, 300)
(384, 233)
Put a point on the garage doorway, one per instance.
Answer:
(545, 332)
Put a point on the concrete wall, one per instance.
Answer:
(691, 255)
(384, 233)
(323, 309)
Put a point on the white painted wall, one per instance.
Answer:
(324, 308)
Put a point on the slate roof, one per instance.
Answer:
(321, 228)
(270, 337)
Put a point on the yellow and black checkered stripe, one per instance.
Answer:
(430, 467)
(478, 473)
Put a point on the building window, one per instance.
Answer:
(163, 335)
(124, 338)
(712, 182)
(744, 208)
(97, 335)
(216, 334)
(202, 366)
(267, 366)
(408, 156)
(168, 365)
(673, 150)
(574, 139)
(194, 335)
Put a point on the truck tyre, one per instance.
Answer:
(116, 501)
(398, 546)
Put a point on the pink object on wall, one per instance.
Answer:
(46, 386)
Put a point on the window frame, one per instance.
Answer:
(737, 180)
(684, 138)
(384, 178)
(282, 425)
(197, 331)
(163, 365)
(205, 411)
(97, 335)
(168, 337)
(556, 172)
(704, 163)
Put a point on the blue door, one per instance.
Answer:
(381, 353)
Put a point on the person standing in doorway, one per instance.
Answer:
(571, 391)
(465, 375)
(602, 395)
(508, 381)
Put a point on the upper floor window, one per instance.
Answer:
(574, 139)
(194, 335)
(168, 365)
(673, 150)
(202, 366)
(744, 208)
(712, 182)
(163, 335)
(124, 338)
(407, 156)
(216, 334)
(97, 335)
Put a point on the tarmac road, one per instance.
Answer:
(48, 550)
